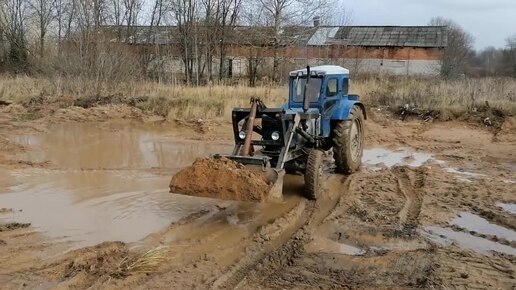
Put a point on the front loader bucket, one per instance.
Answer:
(276, 180)
(222, 178)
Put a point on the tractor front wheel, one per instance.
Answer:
(313, 174)
(348, 142)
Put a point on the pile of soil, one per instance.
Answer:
(222, 179)
(93, 114)
(101, 260)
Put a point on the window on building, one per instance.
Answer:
(332, 89)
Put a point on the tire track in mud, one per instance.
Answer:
(411, 186)
(498, 217)
(290, 245)
(468, 270)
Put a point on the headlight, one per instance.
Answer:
(275, 136)
(242, 135)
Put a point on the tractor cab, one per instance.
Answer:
(321, 90)
(322, 85)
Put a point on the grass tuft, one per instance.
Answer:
(144, 263)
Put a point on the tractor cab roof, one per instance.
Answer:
(321, 70)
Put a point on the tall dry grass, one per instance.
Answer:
(451, 97)
(174, 101)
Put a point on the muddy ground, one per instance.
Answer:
(434, 206)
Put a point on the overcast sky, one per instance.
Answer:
(489, 21)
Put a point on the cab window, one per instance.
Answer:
(312, 89)
(345, 87)
(332, 88)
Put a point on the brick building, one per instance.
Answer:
(398, 50)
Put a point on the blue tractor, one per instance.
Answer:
(319, 116)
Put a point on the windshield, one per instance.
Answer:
(312, 91)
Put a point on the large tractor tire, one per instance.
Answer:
(314, 173)
(348, 142)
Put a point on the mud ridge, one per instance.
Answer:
(296, 218)
(410, 185)
(459, 269)
(504, 219)
(13, 226)
(284, 253)
(489, 237)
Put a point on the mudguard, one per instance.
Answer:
(342, 112)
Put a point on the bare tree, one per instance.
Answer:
(511, 54)
(118, 17)
(13, 15)
(184, 13)
(43, 11)
(156, 16)
(281, 13)
(64, 13)
(459, 45)
(338, 15)
(224, 17)
(132, 11)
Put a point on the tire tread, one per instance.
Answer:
(342, 143)
(312, 173)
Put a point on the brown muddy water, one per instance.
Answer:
(102, 183)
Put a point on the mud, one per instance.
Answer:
(509, 207)
(220, 178)
(407, 220)
(13, 226)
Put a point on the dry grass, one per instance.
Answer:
(144, 263)
(451, 98)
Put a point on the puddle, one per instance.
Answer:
(116, 146)
(447, 237)
(324, 245)
(378, 157)
(473, 222)
(463, 175)
(508, 207)
(105, 187)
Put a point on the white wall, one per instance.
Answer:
(174, 65)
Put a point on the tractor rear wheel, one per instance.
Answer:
(313, 174)
(348, 142)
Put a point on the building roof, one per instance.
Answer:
(372, 36)
(413, 36)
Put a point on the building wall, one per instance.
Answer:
(383, 60)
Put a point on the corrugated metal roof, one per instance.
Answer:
(412, 36)
(390, 36)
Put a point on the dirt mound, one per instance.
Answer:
(100, 260)
(101, 113)
(222, 179)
